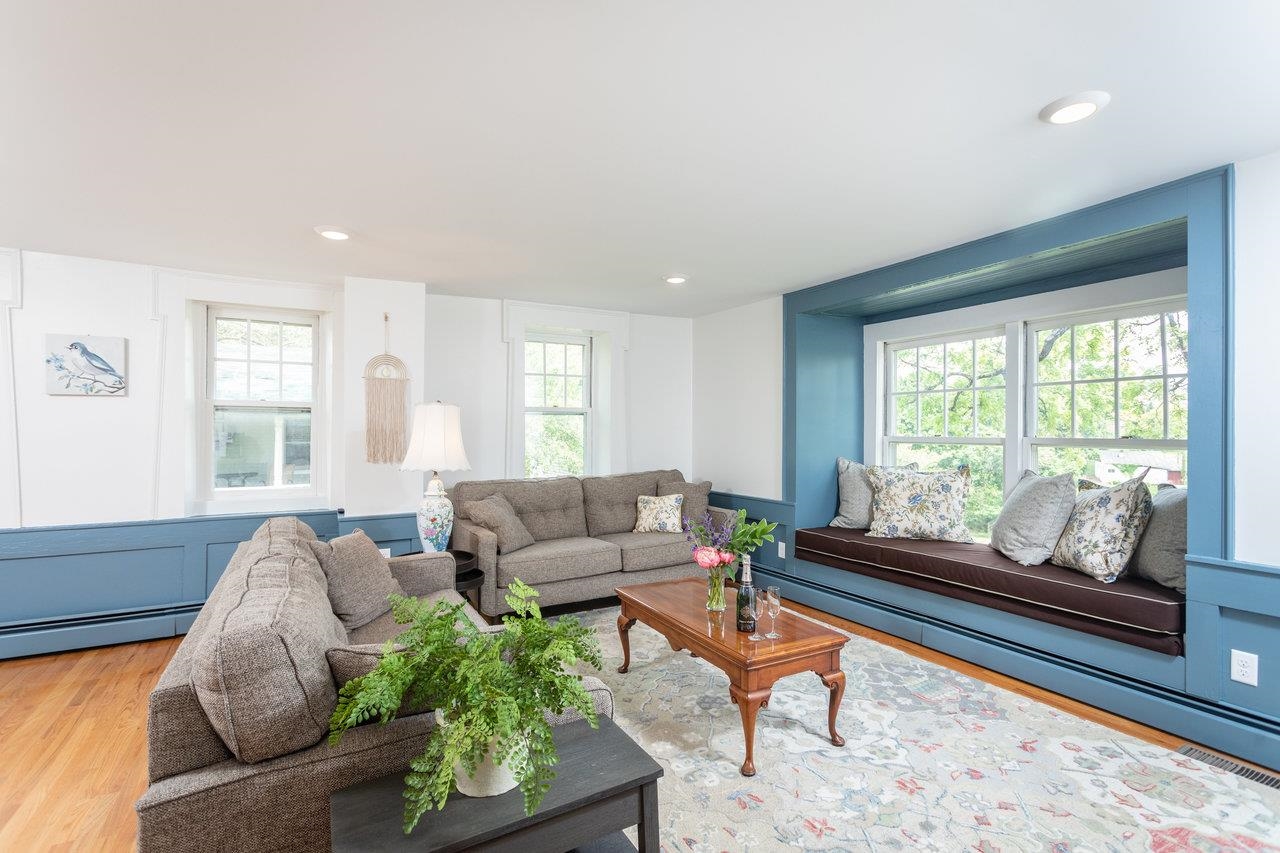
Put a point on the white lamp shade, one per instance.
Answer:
(435, 443)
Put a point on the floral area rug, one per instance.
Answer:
(934, 760)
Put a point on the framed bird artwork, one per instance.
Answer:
(86, 366)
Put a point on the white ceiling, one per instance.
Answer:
(578, 152)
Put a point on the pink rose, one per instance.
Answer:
(726, 558)
(706, 557)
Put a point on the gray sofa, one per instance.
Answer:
(237, 754)
(583, 545)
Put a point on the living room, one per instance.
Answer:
(679, 427)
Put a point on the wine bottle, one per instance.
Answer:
(746, 599)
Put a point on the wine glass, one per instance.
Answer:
(773, 604)
(753, 609)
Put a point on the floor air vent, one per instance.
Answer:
(1260, 776)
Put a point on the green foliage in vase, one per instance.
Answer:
(494, 690)
(749, 535)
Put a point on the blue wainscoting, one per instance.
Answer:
(95, 584)
(757, 508)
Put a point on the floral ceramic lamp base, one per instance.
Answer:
(435, 520)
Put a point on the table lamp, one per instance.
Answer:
(435, 445)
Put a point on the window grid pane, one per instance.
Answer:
(1129, 371)
(954, 389)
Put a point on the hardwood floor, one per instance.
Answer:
(73, 730)
(73, 735)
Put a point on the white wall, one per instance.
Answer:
(660, 407)
(737, 399)
(363, 488)
(71, 460)
(85, 458)
(468, 366)
(1257, 403)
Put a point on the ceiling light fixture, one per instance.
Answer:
(330, 233)
(1073, 108)
(676, 279)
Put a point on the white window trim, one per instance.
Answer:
(209, 498)
(588, 393)
(610, 333)
(1106, 300)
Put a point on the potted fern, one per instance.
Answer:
(491, 692)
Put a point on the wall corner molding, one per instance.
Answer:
(10, 301)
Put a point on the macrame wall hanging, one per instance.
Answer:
(386, 381)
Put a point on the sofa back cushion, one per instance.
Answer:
(549, 509)
(611, 501)
(259, 668)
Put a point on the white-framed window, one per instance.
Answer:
(557, 405)
(1100, 393)
(946, 409)
(1107, 394)
(259, 399)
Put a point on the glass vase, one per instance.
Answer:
(715, 589)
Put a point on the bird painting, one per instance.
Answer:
(85, 366)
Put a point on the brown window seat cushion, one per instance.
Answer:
(1130, 610)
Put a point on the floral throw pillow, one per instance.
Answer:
(659, 514)
(1104, 530)
(919, 504)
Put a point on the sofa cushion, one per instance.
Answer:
(496, 513)
(641, 551)
(696, 497)
(259, 670)
(1162, 550)
(1129, 602)
(856, 493)
(359, 578)
(558, 560)
(1033, 517)
(549, 509)
(611, 501)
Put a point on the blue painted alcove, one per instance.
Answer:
(1229, 604)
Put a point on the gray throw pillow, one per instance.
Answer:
(696, 497)
(1162, 550)
(359, 578)
(856, 493)
(1033, 517)
(496, 513)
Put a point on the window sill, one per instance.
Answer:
(258, 504)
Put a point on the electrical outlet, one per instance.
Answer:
(386, 552)
(1244, 667)
(782, 550)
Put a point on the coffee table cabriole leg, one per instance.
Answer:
(624, 626)
(749, 704)
(834, 681)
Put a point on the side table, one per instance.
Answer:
(467, 578)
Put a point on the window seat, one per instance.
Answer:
(1131, 610)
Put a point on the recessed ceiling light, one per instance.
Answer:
(676, 279)
(1073, 108)
(330, 233)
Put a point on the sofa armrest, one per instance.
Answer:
(422, 574)
(721, 515)
(483, 542)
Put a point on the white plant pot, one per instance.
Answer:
(490, 779)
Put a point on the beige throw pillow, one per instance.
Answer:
(659, 514)
(359, 578)
(1104, 530)
(919, 504)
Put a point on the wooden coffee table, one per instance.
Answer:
(677, 610)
